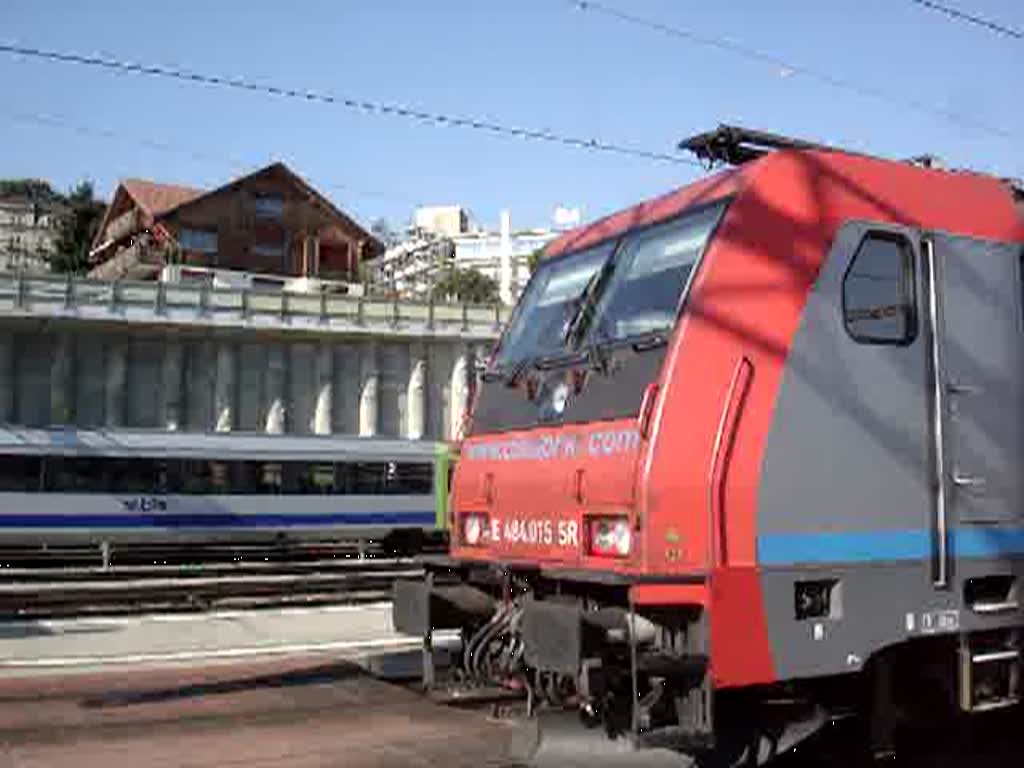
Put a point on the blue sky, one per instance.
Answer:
(536, 63)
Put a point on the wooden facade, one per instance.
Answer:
(269, 222)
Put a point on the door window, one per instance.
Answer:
(879, 306)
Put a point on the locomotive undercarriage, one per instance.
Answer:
(600, 676)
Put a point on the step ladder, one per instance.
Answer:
(990, 671)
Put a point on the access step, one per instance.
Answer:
(990, 671)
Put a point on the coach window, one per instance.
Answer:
(368, 477)
(20, 473)
(878, 291)
(195, 476)
(271, 478)
(220, 477)
(319, 479)
(411, 478)
(69, 474)
(135, 475)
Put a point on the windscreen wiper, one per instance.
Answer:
(509, 375)
(585, 305)
(599, 349)
(563, 360)
(649, 340)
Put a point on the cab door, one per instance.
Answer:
(978, 380)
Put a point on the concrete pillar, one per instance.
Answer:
(370, 391)
(323, 410)
(8, 377)
(90, 378)
(252, 367)
(459, 395)
(276, 377)
(416, 394)
(224, 389)
(62, 382)
(142, 400)
(200, 381)
(172, 372)
(347, 386)
(115, 383)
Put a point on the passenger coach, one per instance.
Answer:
(78, 486)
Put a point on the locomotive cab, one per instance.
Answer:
(738, 453)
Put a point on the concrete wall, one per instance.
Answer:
(96, 374)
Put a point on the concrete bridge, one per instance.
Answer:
(86, 353)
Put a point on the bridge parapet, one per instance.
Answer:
(154, 303)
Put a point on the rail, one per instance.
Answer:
(160, 303)
(68, 581)
(30, 594)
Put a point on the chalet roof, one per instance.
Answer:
(334, 216)
(157, 199)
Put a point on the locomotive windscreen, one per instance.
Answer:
(599, 317)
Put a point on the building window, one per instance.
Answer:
(268, 250)
(879, 306)
(202, 240)
(268, 206)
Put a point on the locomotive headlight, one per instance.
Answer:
(609, 536)
(474, 527)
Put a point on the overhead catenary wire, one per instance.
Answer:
(80, 129)
(233, 165)
(970, 18)
(347, 102)
(788, 67)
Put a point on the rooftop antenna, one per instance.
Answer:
(928, 160)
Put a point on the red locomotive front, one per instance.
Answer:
(641, 527)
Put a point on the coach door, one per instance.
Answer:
(978, 423)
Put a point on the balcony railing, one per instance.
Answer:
(199, 305)
(141, 259)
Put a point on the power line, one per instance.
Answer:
(361, 105)
(788, 67)
(970, 18)
(79, 129)
(234, 165)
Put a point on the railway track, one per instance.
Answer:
(173, 581)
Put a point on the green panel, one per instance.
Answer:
(442, 459)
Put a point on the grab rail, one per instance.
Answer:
(727, 422)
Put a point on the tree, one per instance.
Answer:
(36, 190)
(76, 228)
(468, 285)
(533, 260)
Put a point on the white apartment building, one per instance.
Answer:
(442, 238)
(27, 234)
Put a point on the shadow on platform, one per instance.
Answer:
(20, 629)
(317, 675)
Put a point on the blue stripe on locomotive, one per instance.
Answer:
(871, 546)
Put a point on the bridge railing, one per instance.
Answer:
(161, 303)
